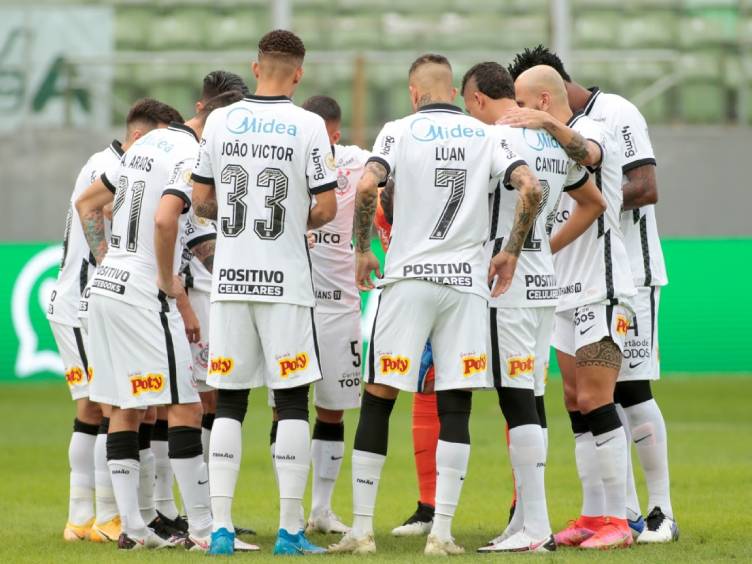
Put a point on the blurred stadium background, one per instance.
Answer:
(70, 69)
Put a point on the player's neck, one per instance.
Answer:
(197, 125)
(500, 107)
(274, 88)
(562, 112)
(578, 96)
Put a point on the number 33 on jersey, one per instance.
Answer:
(265, 157)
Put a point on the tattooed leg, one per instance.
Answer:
(597, 369)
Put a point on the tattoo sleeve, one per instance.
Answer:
(365, 204)
(526, 210)
(576, 149)
(204, 252)
(93, 225)
(206, 209)
(387, 199)
(604, 353)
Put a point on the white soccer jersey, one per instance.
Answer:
(78, 263)
(333, 256)
(534, 283)
(639, 225)
(159, 163)
(265, 157)
(442, 160)
(594, 268)
(194, 273)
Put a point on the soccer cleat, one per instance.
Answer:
(106, 532)
(222, 542)
(151, 540)
(522, 542)
(614, 533)
(244, 531)
(297, 544)
(578, 531)
(351, 545)
(438, 547)
(242, 546)
(202, 544)
(636, 526)
(325, 522)
(419, 523)
(659, 528)
(179, 523)
(166, 532)
(75, 533)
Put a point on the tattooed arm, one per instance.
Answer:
(204, 252)
(365, 208)
(89, 206)
(503, 265)
(204, 200)
(387, 200)
(640, 188)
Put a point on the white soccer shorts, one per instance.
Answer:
(139, 357)
(519, 346)
(71, 344)
(201, 302)
(254, 344)
(641, 359)
(584, 325)
(411, 312)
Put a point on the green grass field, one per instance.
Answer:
(710, 427)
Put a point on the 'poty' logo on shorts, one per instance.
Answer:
(622, 325)
(394, 364)
(473, 364)
(221, 365)
(292, 364)
(520, 365)
(75, 376)
(149, 383)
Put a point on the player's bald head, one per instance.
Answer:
(430, 77)
(541, 79)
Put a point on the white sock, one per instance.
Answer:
(451, 467)
(105, 496)
(81, 459)
(633, 502)
(366, 473)
(124, 475)
(146, 472)
(327, 460)
(544, 430)
(292, 457)
(527, 455)
(611, 453)
(518, 517)
(163, 492)
(224, 465)
(650, 438)
(193, 481)
(593, 500)
(205, 438)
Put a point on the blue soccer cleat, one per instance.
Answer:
(295, 545)
(222, 543)
(637, 526)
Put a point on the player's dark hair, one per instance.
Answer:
(539, 55)
(324, 106)
(492, 79)
(282, 43)
(429, 58)
(219, 101)
(152, 112)
(219, 81)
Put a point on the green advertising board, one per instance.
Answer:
(704, 312)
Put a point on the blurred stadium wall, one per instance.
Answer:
(70, 70)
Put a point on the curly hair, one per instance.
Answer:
(152, 112)
(492, 79)
(539, 55)
(219, 81)
(281, 42)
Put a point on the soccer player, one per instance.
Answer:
(521, 320)
(645, 423)
(86, 450)
(261, 161)
(139, 348)
(436, 277)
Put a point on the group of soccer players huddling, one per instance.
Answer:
(207, 257)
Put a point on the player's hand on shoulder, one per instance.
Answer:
(365, 264)
(501, 269)
(524, 117)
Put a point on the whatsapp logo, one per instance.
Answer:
(31, 294)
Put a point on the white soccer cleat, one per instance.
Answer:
(151, 541)
(521, 542)
(658, 529)
(351, 545)
(326, 522)
(242, 546)
(508, 532)
(438, 547)
(418, 524)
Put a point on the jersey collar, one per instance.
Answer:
(267, 99)
(177, 126)
(440, 107)
(595, 92)
(117, 148)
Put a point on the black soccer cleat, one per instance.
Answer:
(419, 523)
(178, 525)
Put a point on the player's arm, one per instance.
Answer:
(590, 206)
(366, 199)
(640, 189)
(90, 206)
(204, 200)
(583, 151)
(170, 208)
(204, 252)
(190, 319)
(503, 264)
(324, 210)
(387, 200)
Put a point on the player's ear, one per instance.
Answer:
(336, 136)
(545, 101)
(256, 69)
(199, 106)
(453, 93)
(298, 75)
(413, 97)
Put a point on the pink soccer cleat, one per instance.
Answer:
(578, 531)
(615, 533)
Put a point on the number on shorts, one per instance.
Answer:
(531, 243)
(454, 179)
(237, 176)
(134, 214)
(356, 353)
